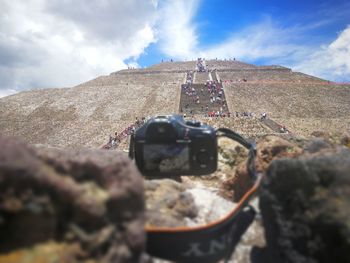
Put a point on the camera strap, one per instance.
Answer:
(216, 240)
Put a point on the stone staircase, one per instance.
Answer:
(214, 76)
(248, 126)
(189, 105)
(201, 77)
(272, 125)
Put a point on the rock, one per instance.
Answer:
(211, 206)
(268, 149)
(305, 204)
(345, 140)
(252, 239)
(168, 203)
(46, 252)
(237, 186)
(92, 199)
(274, 147)
(316, 145)
(321, 134)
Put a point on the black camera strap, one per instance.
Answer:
(216, 240)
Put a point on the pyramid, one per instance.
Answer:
(85, 115)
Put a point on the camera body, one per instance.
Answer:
(167, 145)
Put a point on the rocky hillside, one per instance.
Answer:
(84, 205)
(303, 103)
(87, 114)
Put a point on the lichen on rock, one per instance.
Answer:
(88, 202)
(305, 203)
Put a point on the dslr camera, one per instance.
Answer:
(167, 145)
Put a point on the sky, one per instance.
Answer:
(61, 43)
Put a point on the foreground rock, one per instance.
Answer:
(73, 205)
(269, 148)
(88, 206)
(168, 203)
(305, 203)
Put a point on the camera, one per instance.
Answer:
(167, 145)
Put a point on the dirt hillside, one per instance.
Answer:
(85, 115)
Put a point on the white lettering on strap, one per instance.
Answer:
(215, 245)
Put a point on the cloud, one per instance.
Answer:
(177, 31)
(329, 61)
(7, 92)
(263, 40)
(105, 20)
(297, 45)
(63, 43)
(268, 41)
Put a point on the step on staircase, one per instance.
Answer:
(189, 106)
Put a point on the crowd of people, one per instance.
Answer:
(236, 80)
(115, 140)
(189, 90)
(244, 114)
(216, 97)
(216, 92)
(218, 114)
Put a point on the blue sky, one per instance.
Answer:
(278, 32)
(56, 43)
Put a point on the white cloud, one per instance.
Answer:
(261, 40)
(62, 43)
(7, 92)
(177, 32)
(329, 61)
(265, 40)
